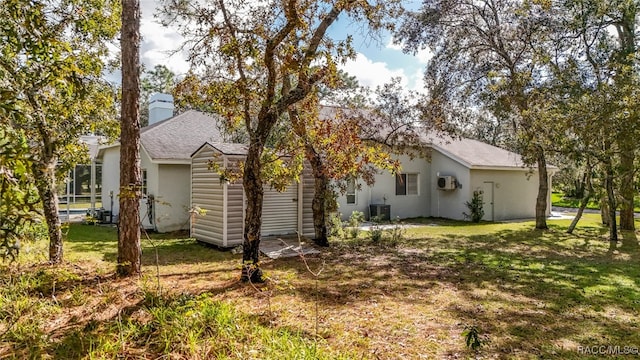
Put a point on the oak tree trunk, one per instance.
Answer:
(583, 205)
(46, 184)
(587, 190)
(543, 192)
(627, 35)
(627, 192)
(604, 210)
(254, 193)
(319, 208)
(319, 203)
(129, 251)
(611, 200)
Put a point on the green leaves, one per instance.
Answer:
(18, 198)
(51, 63)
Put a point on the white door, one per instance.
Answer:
(280, 211)
(487, 198)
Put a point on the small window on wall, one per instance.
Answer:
(144, 182)
(351, 191)
(407, 184)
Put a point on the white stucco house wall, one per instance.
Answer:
(509, 188)
(166, 146)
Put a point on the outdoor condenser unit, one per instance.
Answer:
(446, 183)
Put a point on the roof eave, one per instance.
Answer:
(501, 167)
(171, 161)
(550, 169)
(102, 148)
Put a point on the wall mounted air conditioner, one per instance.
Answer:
(446, 183)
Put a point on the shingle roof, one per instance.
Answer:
(475, 154)
(178, 137)
(471, 153)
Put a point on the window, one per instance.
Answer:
(144, 182)
(351, 191)
(407, 184)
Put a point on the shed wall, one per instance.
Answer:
(207, 193)
(280, 211)
(235, 205)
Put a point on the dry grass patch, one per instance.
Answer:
(531, 294)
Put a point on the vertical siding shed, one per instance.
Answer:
(224, 202)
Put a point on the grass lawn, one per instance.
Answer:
(531, 295)
(558, 199)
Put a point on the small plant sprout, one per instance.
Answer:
(471, 336)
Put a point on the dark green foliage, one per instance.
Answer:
(476, 212)
(472, 337)
(18, 197)
(159, 80)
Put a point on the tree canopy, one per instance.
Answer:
(264, 58)
(51, 65)
(542, 78)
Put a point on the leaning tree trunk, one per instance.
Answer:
(46, 184)
(587, 191)
(129, 250)
(319, 203)
(254, 192)
(627, 192)
(583, 205)
(543, 192)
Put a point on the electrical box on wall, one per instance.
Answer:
(446, 183)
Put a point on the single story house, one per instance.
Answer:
(176, 149)
(442, 185)
(166, 146)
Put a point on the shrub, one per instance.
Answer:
(475, 206)
(336, 228)
(397, 232)
(375, 233)
(355, 220)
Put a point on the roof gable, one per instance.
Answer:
(224, 148)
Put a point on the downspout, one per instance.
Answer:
(93, 187)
